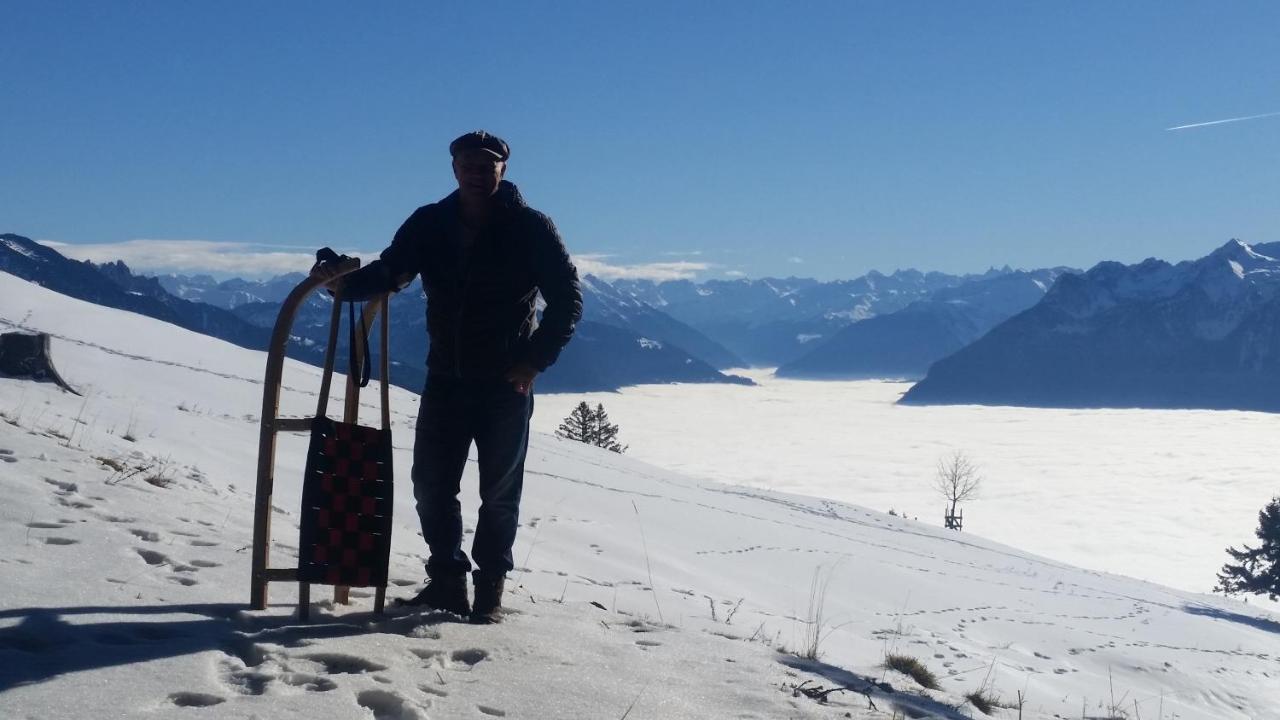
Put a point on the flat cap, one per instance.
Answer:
(481, 140)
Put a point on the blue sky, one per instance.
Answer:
(713, 139)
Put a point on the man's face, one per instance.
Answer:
(478, 173)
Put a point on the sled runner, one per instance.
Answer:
(345, 536)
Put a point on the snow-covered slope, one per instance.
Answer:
(640, 593)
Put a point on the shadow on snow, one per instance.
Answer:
(913, 706)
(1257, 623)
(45, 644)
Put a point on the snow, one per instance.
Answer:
(649, 344)
(1154, 494)
(640, 591)
(858, 313)
(1223, 274)
(803, 338)
(20, 249)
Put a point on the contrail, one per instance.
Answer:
(1228, 120)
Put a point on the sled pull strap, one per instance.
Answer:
(358, 364)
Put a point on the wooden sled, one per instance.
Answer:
(272, 424)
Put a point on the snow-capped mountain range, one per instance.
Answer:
(771, 321)
(1201, 333)
(1198, 333)
(629, 344)
(905, 343)
(231, 293)
(113, 285)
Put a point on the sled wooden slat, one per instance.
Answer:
(302, 425)
(262, 573)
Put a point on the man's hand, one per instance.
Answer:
(521, 377)
(327, 271)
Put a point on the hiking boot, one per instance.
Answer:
(447, 592)
(488, 606)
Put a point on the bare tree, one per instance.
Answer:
(957, 480)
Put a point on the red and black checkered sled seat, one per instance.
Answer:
(346, 506)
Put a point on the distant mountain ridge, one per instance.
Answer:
(1199, 334)
(632, 344)
(774, 321)
(605, 304)
(601, 356)
(114, 285)
(905, 343)
(232, 293)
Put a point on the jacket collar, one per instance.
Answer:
(508, 197)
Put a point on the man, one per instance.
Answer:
(484, 256)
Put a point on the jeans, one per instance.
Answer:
(453, 414)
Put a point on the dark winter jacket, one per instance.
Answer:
(481, 315)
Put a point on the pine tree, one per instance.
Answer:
(579, 426)
(591, 427)
(1256, 570)
(606, 433)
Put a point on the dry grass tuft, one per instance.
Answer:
(912, 668)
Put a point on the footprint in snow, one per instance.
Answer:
(60, 541)
(45, 526)
(194, 699)
(433, 690)
(470, 656)
(339, 664)
(145, 535)
(387, 705)
(151, 557)
(648, 643)
(491, 711)
(433, 658)
(64, 488)
(245, 681)
(310, 683)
